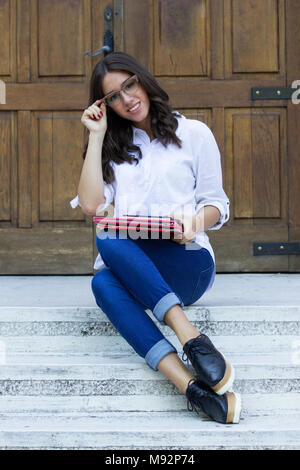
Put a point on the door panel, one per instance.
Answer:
(254, 38)
(257, 164)
(174, 20)
(60, 55)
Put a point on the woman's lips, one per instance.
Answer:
(135, 109)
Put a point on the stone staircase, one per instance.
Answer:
(69, 381)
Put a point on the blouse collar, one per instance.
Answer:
(140, 133)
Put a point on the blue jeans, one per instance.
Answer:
(148, 274)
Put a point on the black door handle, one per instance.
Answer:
(108, 38)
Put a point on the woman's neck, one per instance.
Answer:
(145, 126)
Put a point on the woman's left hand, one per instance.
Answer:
(190, 225)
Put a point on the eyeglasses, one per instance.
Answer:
(129, 87)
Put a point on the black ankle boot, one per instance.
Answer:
(210, 365)
(223, 409)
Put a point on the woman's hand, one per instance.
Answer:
(94, 118)
(191, 225)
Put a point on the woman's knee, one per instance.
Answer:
(100, 284)
(204, 282)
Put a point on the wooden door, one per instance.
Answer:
(207, 54)
(46, 73)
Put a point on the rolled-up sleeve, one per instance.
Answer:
(75, 202)
(109, 194)
(208, 173)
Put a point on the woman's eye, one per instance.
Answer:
(129, 85)
(112, 98)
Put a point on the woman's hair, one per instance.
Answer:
(118, 141)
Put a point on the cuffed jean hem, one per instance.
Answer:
(163, 305)
(158, 351)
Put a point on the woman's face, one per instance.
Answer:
(134, 107)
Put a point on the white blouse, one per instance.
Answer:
(170, 180)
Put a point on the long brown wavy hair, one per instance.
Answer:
(118, 142)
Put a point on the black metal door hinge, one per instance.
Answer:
(273, 93)
(276, 248)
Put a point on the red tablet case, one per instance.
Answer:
(138, 223)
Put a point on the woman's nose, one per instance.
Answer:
(126, 98)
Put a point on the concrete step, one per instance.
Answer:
(252, 404)
(68, 380)
(228, 289)
(130, 375)
(85, 321)
(243, 344)
(280, 359)
(150, 430)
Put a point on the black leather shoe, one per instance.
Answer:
(223, 409)
(210, 365)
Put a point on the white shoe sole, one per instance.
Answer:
(226, 383)
(238, 408)
(234, 407)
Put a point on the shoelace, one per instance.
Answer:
(185, 359)
(184, 356)
(191, 406)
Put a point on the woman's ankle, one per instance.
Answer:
(176, 319)
(173, 368)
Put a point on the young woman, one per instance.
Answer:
(149, 160)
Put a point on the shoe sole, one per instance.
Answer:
(234, 407)
(224, 385)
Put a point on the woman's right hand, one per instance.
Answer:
(94, 118)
